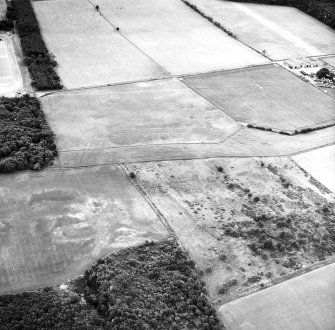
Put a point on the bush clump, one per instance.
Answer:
(153, 286)
(40, 63)
(26, 141)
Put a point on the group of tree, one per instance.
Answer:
(153, 286)
(40, 63)
(26, 140)
(323, 10)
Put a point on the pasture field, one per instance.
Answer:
(283, 32)
(55, 223)
(158, 112)
(88, 50)
(176, 37)
(246, 223)
(305, 302)
(320, 163)
(267, 96)
(244, 143)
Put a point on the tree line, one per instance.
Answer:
(40, 63)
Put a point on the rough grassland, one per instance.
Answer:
(266, 96)
(305, 302)
(89, 51)
(159, 112)
(283, 32)
(176, 37)
(320, 164)
(246, 222)
(56, 222)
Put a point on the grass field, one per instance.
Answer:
(88, 50)
(283, 32)
(320, 164)
(176, 37)
(306, 302)
(267, 96)
(218, 216)
(54, 224)
(159, 112)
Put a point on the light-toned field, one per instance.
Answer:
(3, 8)
(10, 77)
(176, 37)
(267, 96)
(320, 164)
(306, 302)
(158, 112)
(201, 204)
(330, 60)
(283, 32)
(244, 143)
(56, 222)
(88, 50)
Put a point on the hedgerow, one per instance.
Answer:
(40, 63)
(26, 141)
(323, 10)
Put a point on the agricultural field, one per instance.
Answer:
(282, 32)
(267, 96)
(305, 302)
(320, 163)
(176, 37)
(146, 113)
(244, 143)
(250, 222)
(88, 50)
(10, 77)
(55, 223)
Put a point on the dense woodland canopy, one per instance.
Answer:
(323, 10)
(153, 286)
(26, 141)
